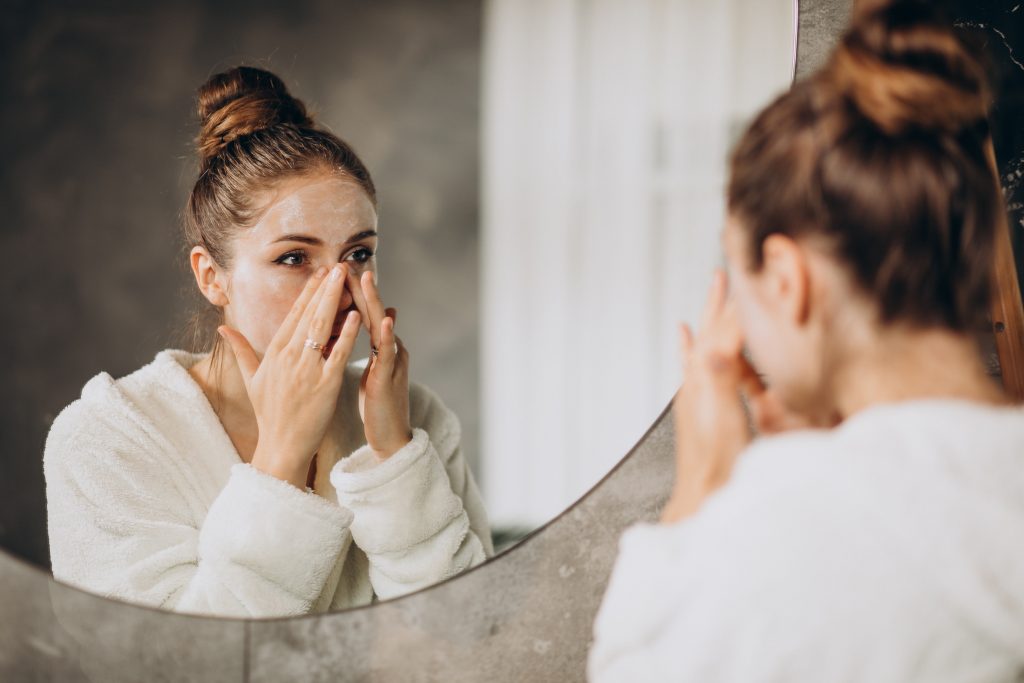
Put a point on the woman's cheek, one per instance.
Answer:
(262, 303)
(758, 339)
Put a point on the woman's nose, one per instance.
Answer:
(346, 295)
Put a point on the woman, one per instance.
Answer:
(877, 538)
(267, 477)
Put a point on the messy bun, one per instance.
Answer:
(883, 154)
(904, 69)
(240, 102)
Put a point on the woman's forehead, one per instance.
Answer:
(329, 207)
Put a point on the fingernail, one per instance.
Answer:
(335, 273)
(321, 271)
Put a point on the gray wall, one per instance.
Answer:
(97, 162)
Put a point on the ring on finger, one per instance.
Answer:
(311, 343)
(374, 351)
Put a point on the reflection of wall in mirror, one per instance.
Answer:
(606, 129)
(97, 149)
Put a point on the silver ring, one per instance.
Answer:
(310, 343)
(374, 352)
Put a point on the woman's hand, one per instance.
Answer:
(294, 389)
(710, 420)
(712, 426)
(384, 388)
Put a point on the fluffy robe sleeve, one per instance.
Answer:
(125, 520)
(418, 515)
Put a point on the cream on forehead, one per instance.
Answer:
(331, 208)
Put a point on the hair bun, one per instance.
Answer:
(240, 102)
(904, 68)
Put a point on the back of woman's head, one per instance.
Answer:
(253, 134)
(881, 156)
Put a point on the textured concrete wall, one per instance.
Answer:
(97, 162)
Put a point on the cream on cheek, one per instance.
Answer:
(261, 295)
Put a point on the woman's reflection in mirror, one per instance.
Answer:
(268, 475)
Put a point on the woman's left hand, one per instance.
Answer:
(711, 423)
(384, 389)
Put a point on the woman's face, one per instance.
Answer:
(772, 307)
(312, 222)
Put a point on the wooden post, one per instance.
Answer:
(1007, 308)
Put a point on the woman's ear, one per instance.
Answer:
(786, 278)
(212, 282)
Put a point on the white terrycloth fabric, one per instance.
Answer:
(888, 549)
(149, 502)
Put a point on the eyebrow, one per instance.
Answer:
(316, 241)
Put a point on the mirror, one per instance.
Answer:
(540, 168)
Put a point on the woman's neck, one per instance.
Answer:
(901, 365)
(220, 378)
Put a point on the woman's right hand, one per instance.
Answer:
(294, 388)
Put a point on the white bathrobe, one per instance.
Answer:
(149, 502)
(888, 549)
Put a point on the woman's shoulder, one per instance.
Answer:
(907, 432)
(780, 480)
(428, 412)
(901, 458)
(119, 411)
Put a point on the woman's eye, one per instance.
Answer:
(292, 258)
(361, 255)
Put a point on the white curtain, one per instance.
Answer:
(606, 129)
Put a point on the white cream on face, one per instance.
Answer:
(333, 211)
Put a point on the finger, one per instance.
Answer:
(359, 298)
(247, 360)
(685, 346)
(343, 347)
(374, 306)
(388, 350)
(287, 328)
(685, 339)
(392, 313)
(303, 327)
(732, 337)
(716, 298)
(402, 361)
(322, 322)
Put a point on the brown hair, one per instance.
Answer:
(253, 133)
(883, 154)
